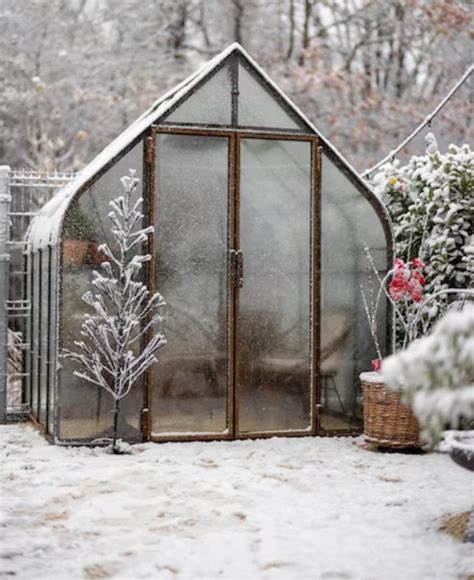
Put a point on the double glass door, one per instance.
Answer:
(234, 221)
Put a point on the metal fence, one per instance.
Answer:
(22, 194)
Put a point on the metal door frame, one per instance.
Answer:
(234, 137)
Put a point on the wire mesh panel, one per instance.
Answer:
(29, 191)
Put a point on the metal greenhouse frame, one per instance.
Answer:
(226, 164)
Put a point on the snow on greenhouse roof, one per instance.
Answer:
(46, 226)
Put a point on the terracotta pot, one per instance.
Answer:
(75, 252)
(96, 257)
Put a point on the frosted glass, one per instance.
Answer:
(348, 224)
(259, 108)
(274, 338)
(210, 104)
(35, 333)
(190, 379)
(52, 338)
(85, 410)
(43, 338)
(27, 381)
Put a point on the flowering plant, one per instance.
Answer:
(407, 280)
(430, 202)
(431, 205)
(404, 287)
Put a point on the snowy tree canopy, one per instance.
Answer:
(75, 74)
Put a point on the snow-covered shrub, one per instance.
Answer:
(431, 203)
(120, 338)
(435, 374)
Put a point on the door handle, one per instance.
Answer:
(237, 266)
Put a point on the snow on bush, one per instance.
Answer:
(120, 338)
(435, 374)
(431, 204)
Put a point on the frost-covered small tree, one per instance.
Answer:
(120, 340)
(431, 204)
(435, 374)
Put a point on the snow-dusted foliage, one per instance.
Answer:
(431, 204)
(435, 374)
(119, 337)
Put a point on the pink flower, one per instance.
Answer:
(415, 290)
(376, 364)
(417, 263)
(397, 286)
(404, 281)
(419, 277)
(398, 264)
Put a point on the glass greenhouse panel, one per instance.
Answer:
(190, 380)
(43, 338)
(259, 108)
(85, 410)
(52, 351)
(211, 103)
(35, 334)
(348, 224)
(27, 358)
(274, 336)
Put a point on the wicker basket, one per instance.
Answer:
(387, 423)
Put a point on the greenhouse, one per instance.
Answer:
(259, 251)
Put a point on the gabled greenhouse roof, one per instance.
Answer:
(46, 226)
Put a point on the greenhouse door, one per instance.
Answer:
(274, 308)
(233, 216)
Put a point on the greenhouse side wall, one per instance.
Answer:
(53, 337)
(39, 382)
(85, 410)
(349, 223)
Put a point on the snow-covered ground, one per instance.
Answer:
(269, 509)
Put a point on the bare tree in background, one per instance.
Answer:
(74, 74)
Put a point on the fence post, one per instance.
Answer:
(5, 199)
